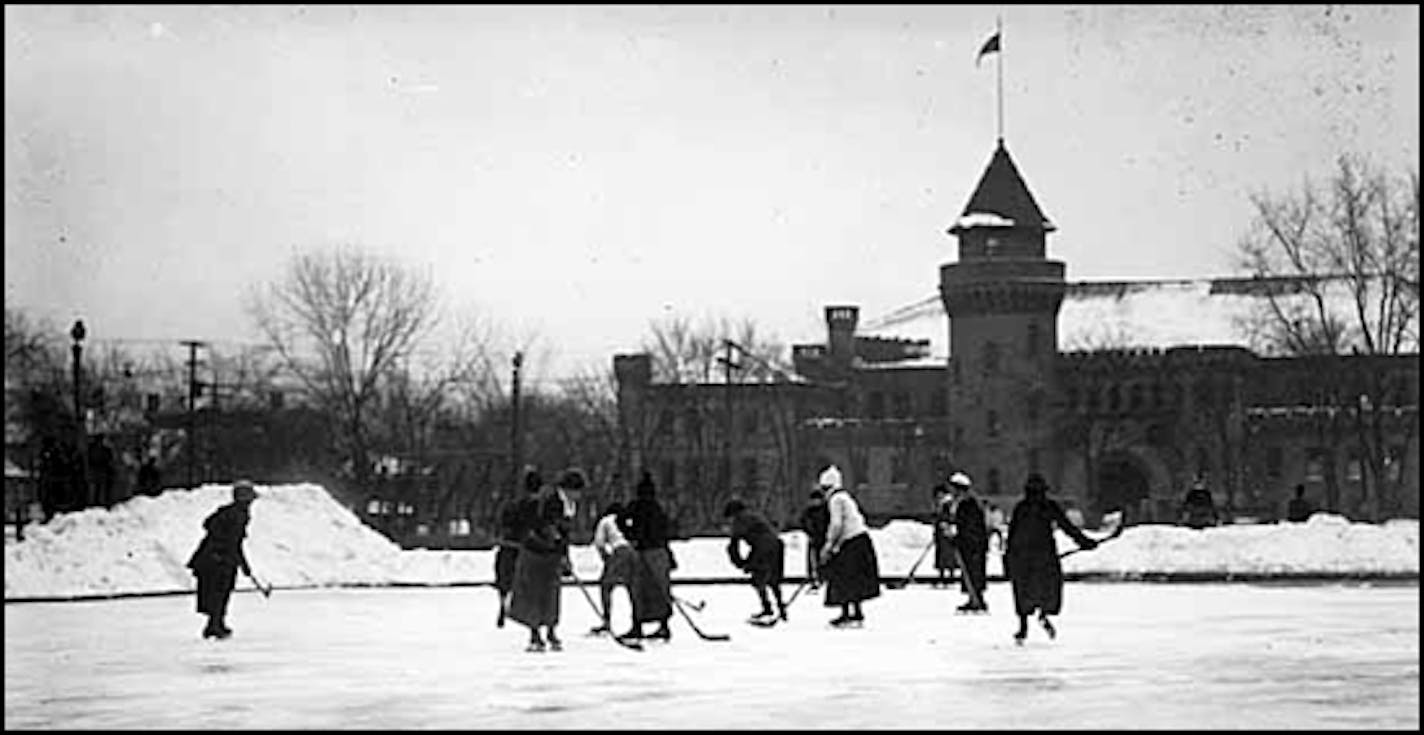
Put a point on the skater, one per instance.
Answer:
(543, 554)
(646, 526)
(619, 560)
(219, 557)
(814, 520)
(971, 540)
(943, 534)
(1034, 570)
(764, 560)
(1198, 510)
(848, 554)
(995, 519)
(507, 556)
(1299, 509)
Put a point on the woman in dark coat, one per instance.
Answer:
(219, 557)
(543, 550)
(646, 527)
(764, 561)
(1034, 570)
(971, 540)
(507, 556)
(944, 563)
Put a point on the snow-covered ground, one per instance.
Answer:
(300, 537)
(1128, 656)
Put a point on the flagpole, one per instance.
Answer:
(999, 31)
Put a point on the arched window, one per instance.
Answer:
(1114, 399)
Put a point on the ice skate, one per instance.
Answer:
(1048, 627)
(535, 646)
(555, 644)
(600, 630)
(661, 634)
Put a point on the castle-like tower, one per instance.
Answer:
(1002, 298)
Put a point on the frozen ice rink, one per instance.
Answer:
(1128, 655)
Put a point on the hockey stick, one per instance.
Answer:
(694, 604)
(265, 590)
(900, 584)
(1118, 527)
(634, 645)
(700, 634)
(796, 593)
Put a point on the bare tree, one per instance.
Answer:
(1341, 262)
(341, 320)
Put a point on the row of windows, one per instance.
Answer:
(1137, 396)
(1317, 459)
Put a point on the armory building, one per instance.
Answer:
(1121, 393)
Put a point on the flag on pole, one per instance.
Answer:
(991, 46)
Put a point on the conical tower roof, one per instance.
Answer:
(1002, 199)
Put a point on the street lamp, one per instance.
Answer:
(76, 333)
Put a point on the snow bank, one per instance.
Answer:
(300, 537)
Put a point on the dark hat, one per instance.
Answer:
(1036, 486)
(573, 478)
(733, 507)
(243, 491)
(614, 508)
(817, 494)
(532, 480)
(645, 487)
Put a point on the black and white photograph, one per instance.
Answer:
(712, 367)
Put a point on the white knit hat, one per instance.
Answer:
(831, 478)
(960, 479)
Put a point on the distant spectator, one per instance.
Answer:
(1299, 509)
(1198, 510)
(149, 481)
(102, 469)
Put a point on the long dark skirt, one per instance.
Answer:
(536, 588)
(1038, 583)
(975, 572)
(505, 560)
(944, 553)
(651, 590)
(215, 584)
(853, 573)
(766, 564)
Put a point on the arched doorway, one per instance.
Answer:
(1121, 484)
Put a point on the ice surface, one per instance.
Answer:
(1128, 656)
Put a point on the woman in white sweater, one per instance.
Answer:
(848, 556)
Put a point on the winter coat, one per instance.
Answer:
(1032, 557)
(766, 547)
(645, 524)
(541, 523)
(846, 519)
(815, 519)
(220, 551)
(970, 532)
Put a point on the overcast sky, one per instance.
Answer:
(577, 172)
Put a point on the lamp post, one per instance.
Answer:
(76, 333)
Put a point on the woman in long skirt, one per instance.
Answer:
(534, 601)
(848, 556)
(1034, 570)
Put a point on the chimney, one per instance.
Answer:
(840, 333)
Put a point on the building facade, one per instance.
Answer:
(1112, 424)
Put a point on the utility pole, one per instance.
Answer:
(515, 449)
(727, 366)
(192, 439)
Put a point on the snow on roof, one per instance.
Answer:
(983, 219)
(1120, 315)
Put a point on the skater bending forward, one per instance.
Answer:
(848, 556)
(1034, 570)
(764, 561)
(219, 557)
